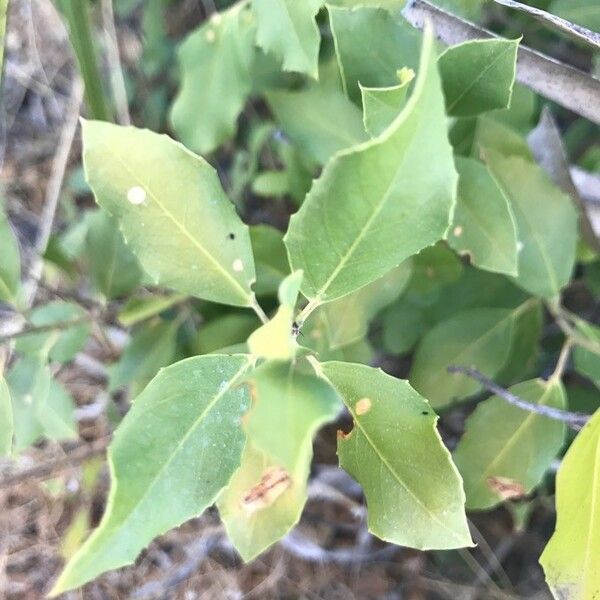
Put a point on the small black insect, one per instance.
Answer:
(424, 412)
(296, 329)
(231, 236)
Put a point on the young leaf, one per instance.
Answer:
(274, 339)
(506, 450)
(319, 120)
(570, 559)
(6, 419)
(60, 344)
(215, 62)
(151, 347)
(484, 226)
(182, 433)
(546, 223)
(478, 338)
(414, 492)
(266, 495)
(382, 105)
(478, 76)
(113, 267)
(145, 306)
(57, 414)
(371, 45)
(10, 265)
(380, 202)
(288, 29)
(162, 193)
(347, 319)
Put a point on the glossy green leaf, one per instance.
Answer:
(274, 340)
(319, 120)
(371, 45)
(29, 381)
(380, 185)
(152, 346)
(433, 268)
(570, 559)
(60, 344)
(506, 450)
(172, 210)
(288, 29)
(10, 265)
(215, 64)
(182, 434)
(267, 494)
(113, 267)
(479, 338)
(347, 319)
(6, 419)
(382, 105)
(478, 76)
(546, 224)
(483, 227)
(413, 490)
(271, 258)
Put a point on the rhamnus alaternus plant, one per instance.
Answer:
(419, 204)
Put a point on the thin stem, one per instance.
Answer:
(574, 420)
(562, 318)
(80, 33)
(256, 307)
(307, 311)
(563, 358)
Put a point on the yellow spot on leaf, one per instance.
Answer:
(363, 406)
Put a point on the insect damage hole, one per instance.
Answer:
(363, 406)
(274, 481)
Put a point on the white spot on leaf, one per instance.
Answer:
(136, 195)
(211, 36)
(238, 265)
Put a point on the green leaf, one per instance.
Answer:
(484, 226)
(570, 559)
(215, 63)
(371, 45)
(387, 216)
(172, 210)
(274, 340)
(347, 319)
(140, 308)
(479, 338)
(57, 414)
(320, 121)
(478, 76)
(225, 331)
(585, 360)
(288, 29)
(182, 434)
(271, 258)
(266, 495)
(113, 267)
(152, 346)
(506, 450)
(10, 265)
(414, 492)
(382, 105)
(6, 419)
(546, 223)
(29, 381)
(60, 344)
(582, 12)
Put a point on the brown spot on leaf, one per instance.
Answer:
(274, 481)
(505, 487)
(363, 406)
